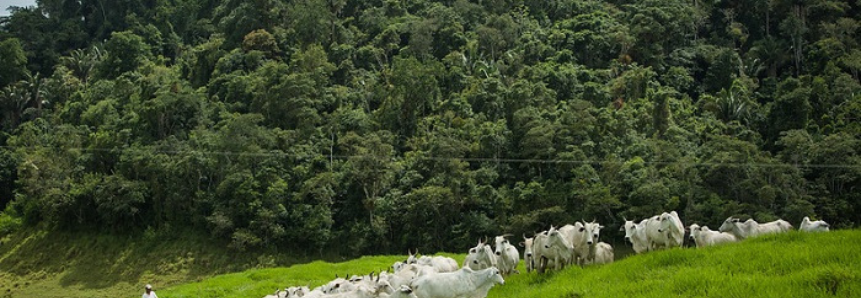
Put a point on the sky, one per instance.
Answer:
(4, 4)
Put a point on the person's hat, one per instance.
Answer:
(148, 287)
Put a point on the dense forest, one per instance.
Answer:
(378, 125)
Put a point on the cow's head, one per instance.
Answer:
(398, 266)
(404, 292)
(501, 244)
(494, 276)
(729, 224)
(527, 246)
(593, 231)
(665, 222)
(694, 231)
(629, 228)
(412, 257)
(557, 239)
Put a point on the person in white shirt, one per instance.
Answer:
(149, 292)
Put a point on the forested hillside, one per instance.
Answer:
(374, 126)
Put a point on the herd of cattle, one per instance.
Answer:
(484, 266)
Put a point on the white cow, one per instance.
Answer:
(636, 235)
(413, 270)
(703, 236)
(293, 292)
(528, 258)
(463, 283)
(402, 292)
(480, 257)
(507, 255)
(657, 240)
(672, 228)
(582, 240)
(360, 292)
(412, 259)
(439, 263)
(813, 226)
(551, 246)
(278, 294)
(599, 252)
(397, 266)
(751, 228)
(315, 293)
(338, 285)
(398, 279)
(575, 236)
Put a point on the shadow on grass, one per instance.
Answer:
(97, 261)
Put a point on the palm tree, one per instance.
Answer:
(771, 52)
(82, 62)
(14, 100)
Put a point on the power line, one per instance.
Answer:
(441, 158)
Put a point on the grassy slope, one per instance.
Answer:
(793, 265)
(41, 264)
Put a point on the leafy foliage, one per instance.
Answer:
(368, 126)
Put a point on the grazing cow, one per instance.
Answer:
(551, 246)
(636, 235)
(751, 228)
(672, 228)
(813, 226)
(528, 258)
(703, 236)
(507, 255)
(459, 284)
(480, 257)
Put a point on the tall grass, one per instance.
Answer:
(789, 265)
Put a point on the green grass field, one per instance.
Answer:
(790, 265)
(40, 264)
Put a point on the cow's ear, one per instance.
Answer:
(600, 227)
(522, 244)
(582, 229)
(622, 229)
